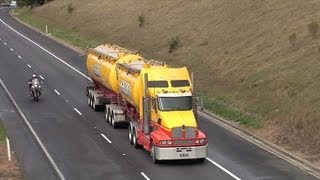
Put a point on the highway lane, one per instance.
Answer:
(57, 123)
(28, 152)
(235, 154)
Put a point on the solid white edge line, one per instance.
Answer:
(44, 149)
(46, 50)
(144, 175)
(105, 137)
(77, 111)
(11, 49)
(57, 92)
(19, 57)
(41, 77)
(222, 168)
(29, 65)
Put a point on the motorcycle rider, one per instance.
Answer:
(33, 78)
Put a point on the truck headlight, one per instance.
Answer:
(197, 141)
(202, 141)
(163, 142)
(169, 142)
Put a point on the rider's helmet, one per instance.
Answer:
(34, 75)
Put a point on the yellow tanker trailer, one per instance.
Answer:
(155, 100)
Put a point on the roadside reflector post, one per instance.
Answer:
(8, 148)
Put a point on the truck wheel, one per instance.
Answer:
(134, 139)
(92, 101)
(153, 154)
(89, 100)
(113, 123)
(130, 134)
(106, 114)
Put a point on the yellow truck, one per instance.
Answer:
(155, 100)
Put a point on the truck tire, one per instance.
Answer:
(153, 154)
(106, 114)
(113, 123)
(89, 100)
(130, 134)
(135, 140)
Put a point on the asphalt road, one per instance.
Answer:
(72, 132)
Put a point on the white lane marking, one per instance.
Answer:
(29, 65)
(41, 77)
(57, 92)
(5, 43)
(144, 175)
(77, 111)
(222, 168)
(105, 137)
(46, 50)
(11, 49)
(19, 57)
(33, 132)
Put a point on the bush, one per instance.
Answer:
(141, 20)
(174, 43)
(313, 28)
(70, 8)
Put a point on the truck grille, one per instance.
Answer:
(190, 132)
(176, 132)
(183, 142)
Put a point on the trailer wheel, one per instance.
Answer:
(153, 154)
(130, 134)
(89, 100)
(114, 124)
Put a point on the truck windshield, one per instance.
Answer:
(175, 103)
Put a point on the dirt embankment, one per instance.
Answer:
(259, 56)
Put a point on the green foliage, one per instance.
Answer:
(2, 133)
(226, 111)
(141, 20)
(174, 43)
(70, 8)
(313, 28)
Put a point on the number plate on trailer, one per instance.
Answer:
(184, 155)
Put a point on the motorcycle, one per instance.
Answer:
(36, 90)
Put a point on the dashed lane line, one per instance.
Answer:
(57, 92)
(145, 176)
(222, 168)
(105, 137)
(77, 111)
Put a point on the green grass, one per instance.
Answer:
(230, 113)
(69, 35)
(2, 133)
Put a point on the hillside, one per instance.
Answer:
(256, 57)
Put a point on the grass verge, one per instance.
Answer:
(69, 35)
(2, 133)
(231, 114)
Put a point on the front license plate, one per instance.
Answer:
(184, 155)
